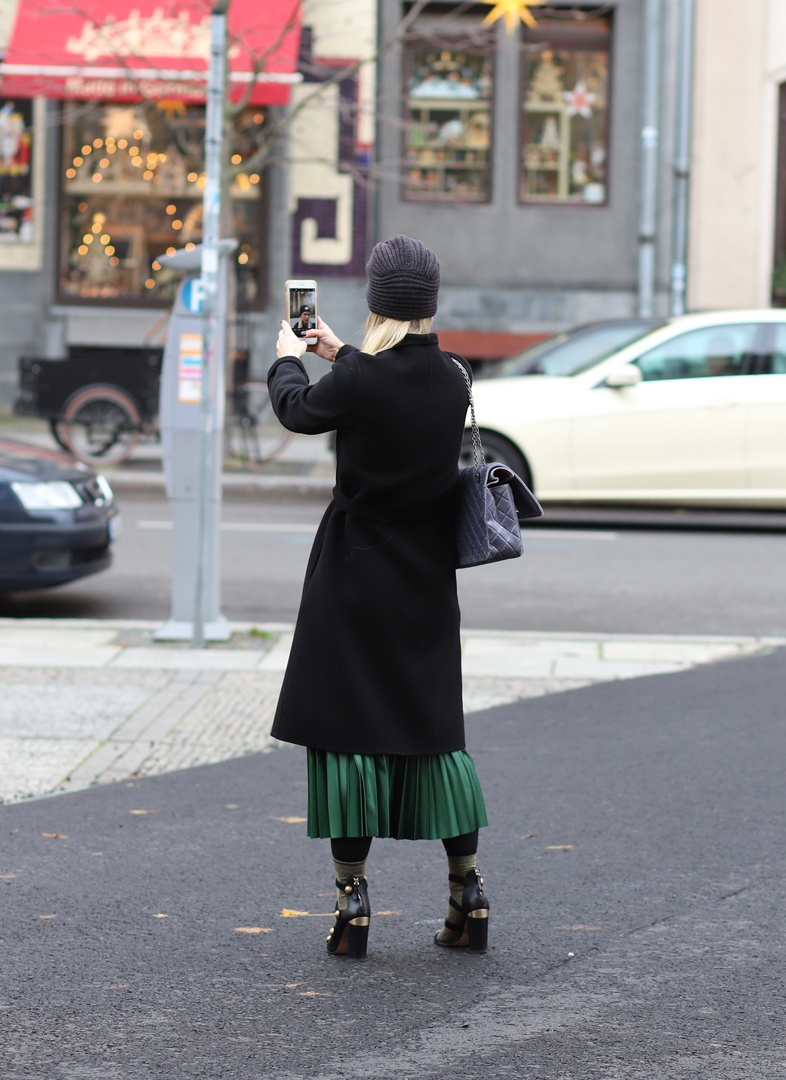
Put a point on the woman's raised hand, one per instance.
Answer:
(327, 343)
(287, 343)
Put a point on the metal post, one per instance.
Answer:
(682, 157)
(211, 226)
(648, 211)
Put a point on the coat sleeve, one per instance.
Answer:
(314, 408)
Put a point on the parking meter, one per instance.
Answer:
(181, 426)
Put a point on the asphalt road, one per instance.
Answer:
(619, 574)
(634, 865)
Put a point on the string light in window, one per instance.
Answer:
(87, 150)
(82, 207)
(104, 163)
(78, 161)
(177, 224)
(193, 177)
(156, 265)
(110, 251)
(105, 238)
(98, 143)
(254, 178)
(96, 227)
(114, 261)
(150, 283)
(138, 134)
(171, 250)
(171, 209)
(190, 246)
(259, 117)
(122, 144)
(236, 159)
(87, 238)
(242, 258)
(147, 175)
(97, 178)
(82, 250)
(70, 173)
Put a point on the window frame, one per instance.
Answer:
(62, 298)
(571, 40)
(454, 41)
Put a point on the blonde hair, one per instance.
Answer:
(382, 333)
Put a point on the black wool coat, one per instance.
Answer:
(375, 666)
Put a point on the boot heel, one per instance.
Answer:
(478, 930)
(357, 938)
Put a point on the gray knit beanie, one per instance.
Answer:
(403, 280)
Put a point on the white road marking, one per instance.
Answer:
(240, 526)
(282, 527)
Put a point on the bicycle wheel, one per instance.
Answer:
(254, 432)
(100, 425)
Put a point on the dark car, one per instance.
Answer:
(57, 518)
(573, 350)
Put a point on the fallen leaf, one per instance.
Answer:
(289, 913)
(96, 853)
(580, 927)
(289, 820)
(529, 836)
(252, 930)
(54, 835)
(291, 986)
(47, 916)
(312, 993)
(144, 811)
(385, 912)
(559, 847)
(13, 831)
(231, 806)
(159, 916)
(7, 877)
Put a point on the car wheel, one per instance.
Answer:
(100, 425)
(497, 448)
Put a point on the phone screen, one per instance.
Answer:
(302, 309)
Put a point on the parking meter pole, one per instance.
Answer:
(213, 326)
(180, 410)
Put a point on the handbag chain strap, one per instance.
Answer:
(478, 454)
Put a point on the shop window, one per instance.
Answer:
(133, 185)
(448, 123)
(16, 174)
(565, 110)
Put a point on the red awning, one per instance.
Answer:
(133, 50)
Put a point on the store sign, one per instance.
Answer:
(140, 50)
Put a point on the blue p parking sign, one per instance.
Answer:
(193, 295)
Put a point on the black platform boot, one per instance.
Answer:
(349, 935)
(471, 927)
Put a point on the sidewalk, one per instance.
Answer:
(88, 702)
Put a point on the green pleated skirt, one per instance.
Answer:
(428, 797)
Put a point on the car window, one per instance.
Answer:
(725, 349)
(775, 360)
(574, 351)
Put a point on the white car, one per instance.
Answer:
(691, 414)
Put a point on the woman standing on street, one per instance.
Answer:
(373, 684)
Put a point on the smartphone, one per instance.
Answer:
(301, 308)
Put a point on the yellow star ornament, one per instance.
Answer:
(512, 11)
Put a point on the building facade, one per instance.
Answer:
(515, 152)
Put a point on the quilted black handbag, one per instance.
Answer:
(492, 499)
